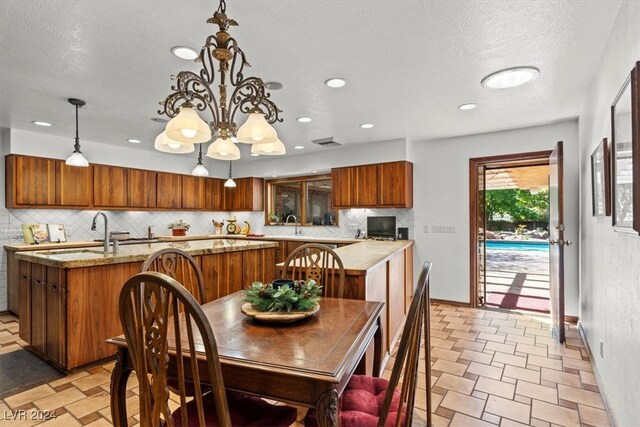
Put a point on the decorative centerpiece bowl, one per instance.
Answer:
(282, 301)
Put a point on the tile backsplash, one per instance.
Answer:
(77, 225)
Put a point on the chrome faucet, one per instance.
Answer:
(106, 229)
(286, 221)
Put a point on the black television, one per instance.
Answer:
(381, 226)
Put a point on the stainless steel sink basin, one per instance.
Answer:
(134, 241)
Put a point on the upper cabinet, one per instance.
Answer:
(193, 188)
(109, 186)
(141, 188)
(247, 195)
(169, 190)
(73, 185)
(382, 185)
(214, 194)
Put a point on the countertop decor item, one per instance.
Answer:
(195, 92)
(300, 297)
(217, 226)
(246, 228)
(232, 227)
(179, 228)
(56, 233)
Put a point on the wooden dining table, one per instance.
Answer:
(307, 363)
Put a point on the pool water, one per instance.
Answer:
(520, 245)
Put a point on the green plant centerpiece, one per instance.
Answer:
(302, 296)
(179, 225)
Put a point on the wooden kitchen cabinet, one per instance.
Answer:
(109, 186)
(246, 196)
(193, 190)
(73, 185)
(30, 181)
(382, 185)
(342, 187)
(169, 190)
(222, 274)
(214, 194)
(24, 303)
(258, 266)
(141, 188)
(56, 300)
(38, 307)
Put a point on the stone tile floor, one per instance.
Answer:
(488, 368)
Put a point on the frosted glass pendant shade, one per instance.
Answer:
(230, 183)
(223, 149)
(200, 170)
(272, 149)
(167, 145)
(187, 126)
(256, 130)
(77, 159)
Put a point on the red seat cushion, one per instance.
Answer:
(361, 404)
(244, 410)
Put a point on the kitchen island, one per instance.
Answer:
(68, 298)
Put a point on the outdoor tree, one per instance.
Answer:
(519, 205)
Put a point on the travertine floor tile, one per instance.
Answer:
(498, 388)
(593, 416)
(536, 391)
(456, 383)
(554, 414)
(577, 395)
(461, 420)
(462, 403)
(508, 409)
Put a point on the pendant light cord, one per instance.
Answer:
(76, 146)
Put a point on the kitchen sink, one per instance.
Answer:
(133, 241)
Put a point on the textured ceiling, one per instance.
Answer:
(408, 64)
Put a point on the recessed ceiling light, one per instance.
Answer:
(314, 171)
(299, 147)
(159, 120)
(366, 125)
(255, 154)
(336, 82)
(510, 77)
(304, 119)
(39, 123)
(469, 106)
(184, 52)
(134, 141)
(273, 85)
(274, 176)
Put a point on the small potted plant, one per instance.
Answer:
(179, 228)
(273, 218)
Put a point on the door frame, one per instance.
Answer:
(531, 158)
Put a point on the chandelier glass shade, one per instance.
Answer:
(221, 91)
(167, 145)
(200, 170)
(223, 149)
(270, 149)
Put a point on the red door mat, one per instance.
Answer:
(512, 301)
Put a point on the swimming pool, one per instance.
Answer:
(518, 245)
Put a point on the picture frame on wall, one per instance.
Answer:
(625, 150)
(601, 180)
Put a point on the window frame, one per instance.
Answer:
(303, 180)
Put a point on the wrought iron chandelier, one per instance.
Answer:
(194, 92)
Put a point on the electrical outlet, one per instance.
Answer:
(601, 348)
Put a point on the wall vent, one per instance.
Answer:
(326, 142)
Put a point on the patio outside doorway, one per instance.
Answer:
(509, 232)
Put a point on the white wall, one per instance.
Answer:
(609, 264)
(441, 197)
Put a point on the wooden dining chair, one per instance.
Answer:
(148, 305)
(376, 402)
(318, 262)
(180, 266)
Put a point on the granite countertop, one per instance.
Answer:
(368, 254)
(21, 246)
(302, 238)
(87, 257)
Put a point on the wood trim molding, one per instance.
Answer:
(448, 302)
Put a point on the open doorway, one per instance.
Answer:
(510, 232)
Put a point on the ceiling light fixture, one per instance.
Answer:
(194, 92)
(255, 154)
(76, 158)
(39, 123)
(184, 52)
(272, 149)
(336, 82)
(299, 147)
(465, 107)
(230, 183)
(510, 77)
(366, 125)
(304, 119)
(167, 145)
(134, 141)
(200, 170)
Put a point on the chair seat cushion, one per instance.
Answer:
(244, 410)
(361, 404)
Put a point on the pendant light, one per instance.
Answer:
(76, 158)
(167, 145)
(223, 149)
(200, 170)
(230, 183)
(270, 149)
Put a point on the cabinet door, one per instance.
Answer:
(38, 307)
(395, 184)
(55, 339)
(141, 188)
(234, 196)
(24, 303)
(169, 191)
(109, 186)
(31, 181)
(193, 188)
(366, 186)
(73, 185)
(222, 274)
(258, 266)
(214, 194)
(342, 187)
